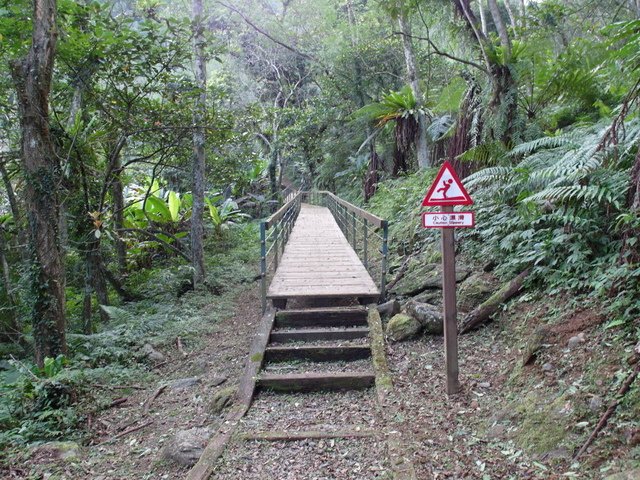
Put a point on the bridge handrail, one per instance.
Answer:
(290, 200)
(376, 221)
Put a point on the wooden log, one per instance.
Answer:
(275, 436)
(485, 311)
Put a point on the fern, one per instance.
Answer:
(117, 315)
(527, 148)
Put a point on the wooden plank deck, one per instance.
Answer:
(319, 262)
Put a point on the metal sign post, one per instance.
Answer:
(446, 191)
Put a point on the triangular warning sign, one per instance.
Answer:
(446, 189)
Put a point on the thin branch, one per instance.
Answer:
(437, 51)
(249, 22)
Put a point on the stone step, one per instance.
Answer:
(314, 353)
(318, 334)
(307, 382)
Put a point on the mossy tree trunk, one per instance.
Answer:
(199, 115)
(32, 77)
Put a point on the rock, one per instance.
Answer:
(186, 446)
(53, 451)
(184, 383)
(474, 404)
(430, 317)
(390, 308)
(595, 404)
(402, 327)
(548, 367)
(575, 341)
(484, 385)
(221, 399)
(475, 290)
(628, 475)
(152, 354)
(423, 276)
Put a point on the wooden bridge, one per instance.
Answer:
(319, 245)
(320, 256)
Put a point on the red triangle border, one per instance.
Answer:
(444, 202)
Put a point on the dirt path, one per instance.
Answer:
(138, 455)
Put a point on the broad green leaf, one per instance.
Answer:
(174, 205)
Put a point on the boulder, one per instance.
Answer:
(54, 451)
(402, 327)
(186, 446)
(475, 290)
(152, 354)
(430, 317)
(221, 399)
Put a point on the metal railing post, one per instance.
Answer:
(365, 241)
(263, 265)
(385, 252)
(354, 233)
(276, 245)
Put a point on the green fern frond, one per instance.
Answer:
(575, 194)
(117, 315)
(490, 175)
(527, 148)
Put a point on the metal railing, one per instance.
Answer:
(274, 234)
(363, 230)
(366, 233)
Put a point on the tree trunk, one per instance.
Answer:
(94, 282)
(422, 147)
(512, 17)
(32, 78)
(501, 27)
(199, 114)
(486, 310)
(117, 194)
(13, 204)
(523, 14)
(483, 17)
(14, 332)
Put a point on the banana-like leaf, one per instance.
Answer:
(174, 205)
(158, 210)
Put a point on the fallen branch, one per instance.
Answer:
(486, 310)
(118, 401)
(626, 385)
(118, 387)
(401, 272)
(156, 394)
(127, 432)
